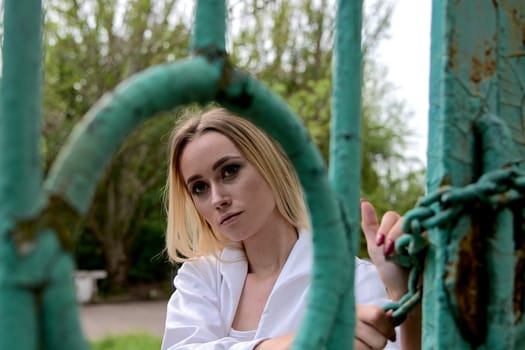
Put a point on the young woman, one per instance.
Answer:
(237, 219)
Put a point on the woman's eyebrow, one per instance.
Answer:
(192, 178)
(216, 165)
(223, 160)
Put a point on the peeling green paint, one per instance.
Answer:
(474, 278)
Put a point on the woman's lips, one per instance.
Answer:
(228, 218)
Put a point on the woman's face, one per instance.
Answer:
(227, 190)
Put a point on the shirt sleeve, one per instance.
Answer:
(193, 318)
(369, 289)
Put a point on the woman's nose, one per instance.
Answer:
(220, 197)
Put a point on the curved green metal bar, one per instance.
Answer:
(329, 281)
(79, 165)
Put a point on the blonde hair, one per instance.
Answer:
(188, 235)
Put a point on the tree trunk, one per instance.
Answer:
(117, 263)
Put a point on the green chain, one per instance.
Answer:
(498, 188)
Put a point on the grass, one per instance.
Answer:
(136, 341)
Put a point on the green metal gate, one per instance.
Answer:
(473, 294)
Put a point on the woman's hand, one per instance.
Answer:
(373, 327)
(380, 241)
(283, 342)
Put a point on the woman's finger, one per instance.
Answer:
(368, 336)
(373, 326)
(360, 345)
(369, 222)
(389, 230)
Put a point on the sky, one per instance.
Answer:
(407, 56)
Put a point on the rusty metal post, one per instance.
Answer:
(473, 289)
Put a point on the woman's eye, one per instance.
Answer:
(199, 188)
(230, 170)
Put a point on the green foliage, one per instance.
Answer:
(147, 250)
(91, 46)
(295, 60)
(128, 342)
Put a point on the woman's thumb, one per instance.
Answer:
(369, 223)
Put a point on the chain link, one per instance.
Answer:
(498, 188)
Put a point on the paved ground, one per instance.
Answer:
(101, 320)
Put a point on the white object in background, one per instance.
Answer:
(86, 284)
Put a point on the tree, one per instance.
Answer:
(295, 60)
(116, 215)
(91, 46)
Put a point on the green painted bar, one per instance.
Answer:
(345, 147)
(74, 174)
(209, 27)
(476, 71)
(60, 324)
(20, 172)
(200, 80)
(476, 126)
(329, 281)
(433, 271)
(20, 111)
(41, 307)
(498, 152)
(197, 80)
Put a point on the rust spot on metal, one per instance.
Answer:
(58, 215)
(475, 75)
(484, 67)
(490, 61)
(471, 287)
(515, 16)
(519, 272)
(523, 36)
(452, 55)
(517, 22)
(446, 181)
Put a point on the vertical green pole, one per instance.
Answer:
(37, 296)
(476, 113)
(345, 147)
(432, 271)
(20, 168)
(20, 110)
(209, 28)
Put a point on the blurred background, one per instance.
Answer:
(92, 45)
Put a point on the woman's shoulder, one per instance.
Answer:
(203, 269)
(211, 266)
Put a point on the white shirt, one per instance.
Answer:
(201, 310)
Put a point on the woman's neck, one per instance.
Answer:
(267, 252)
